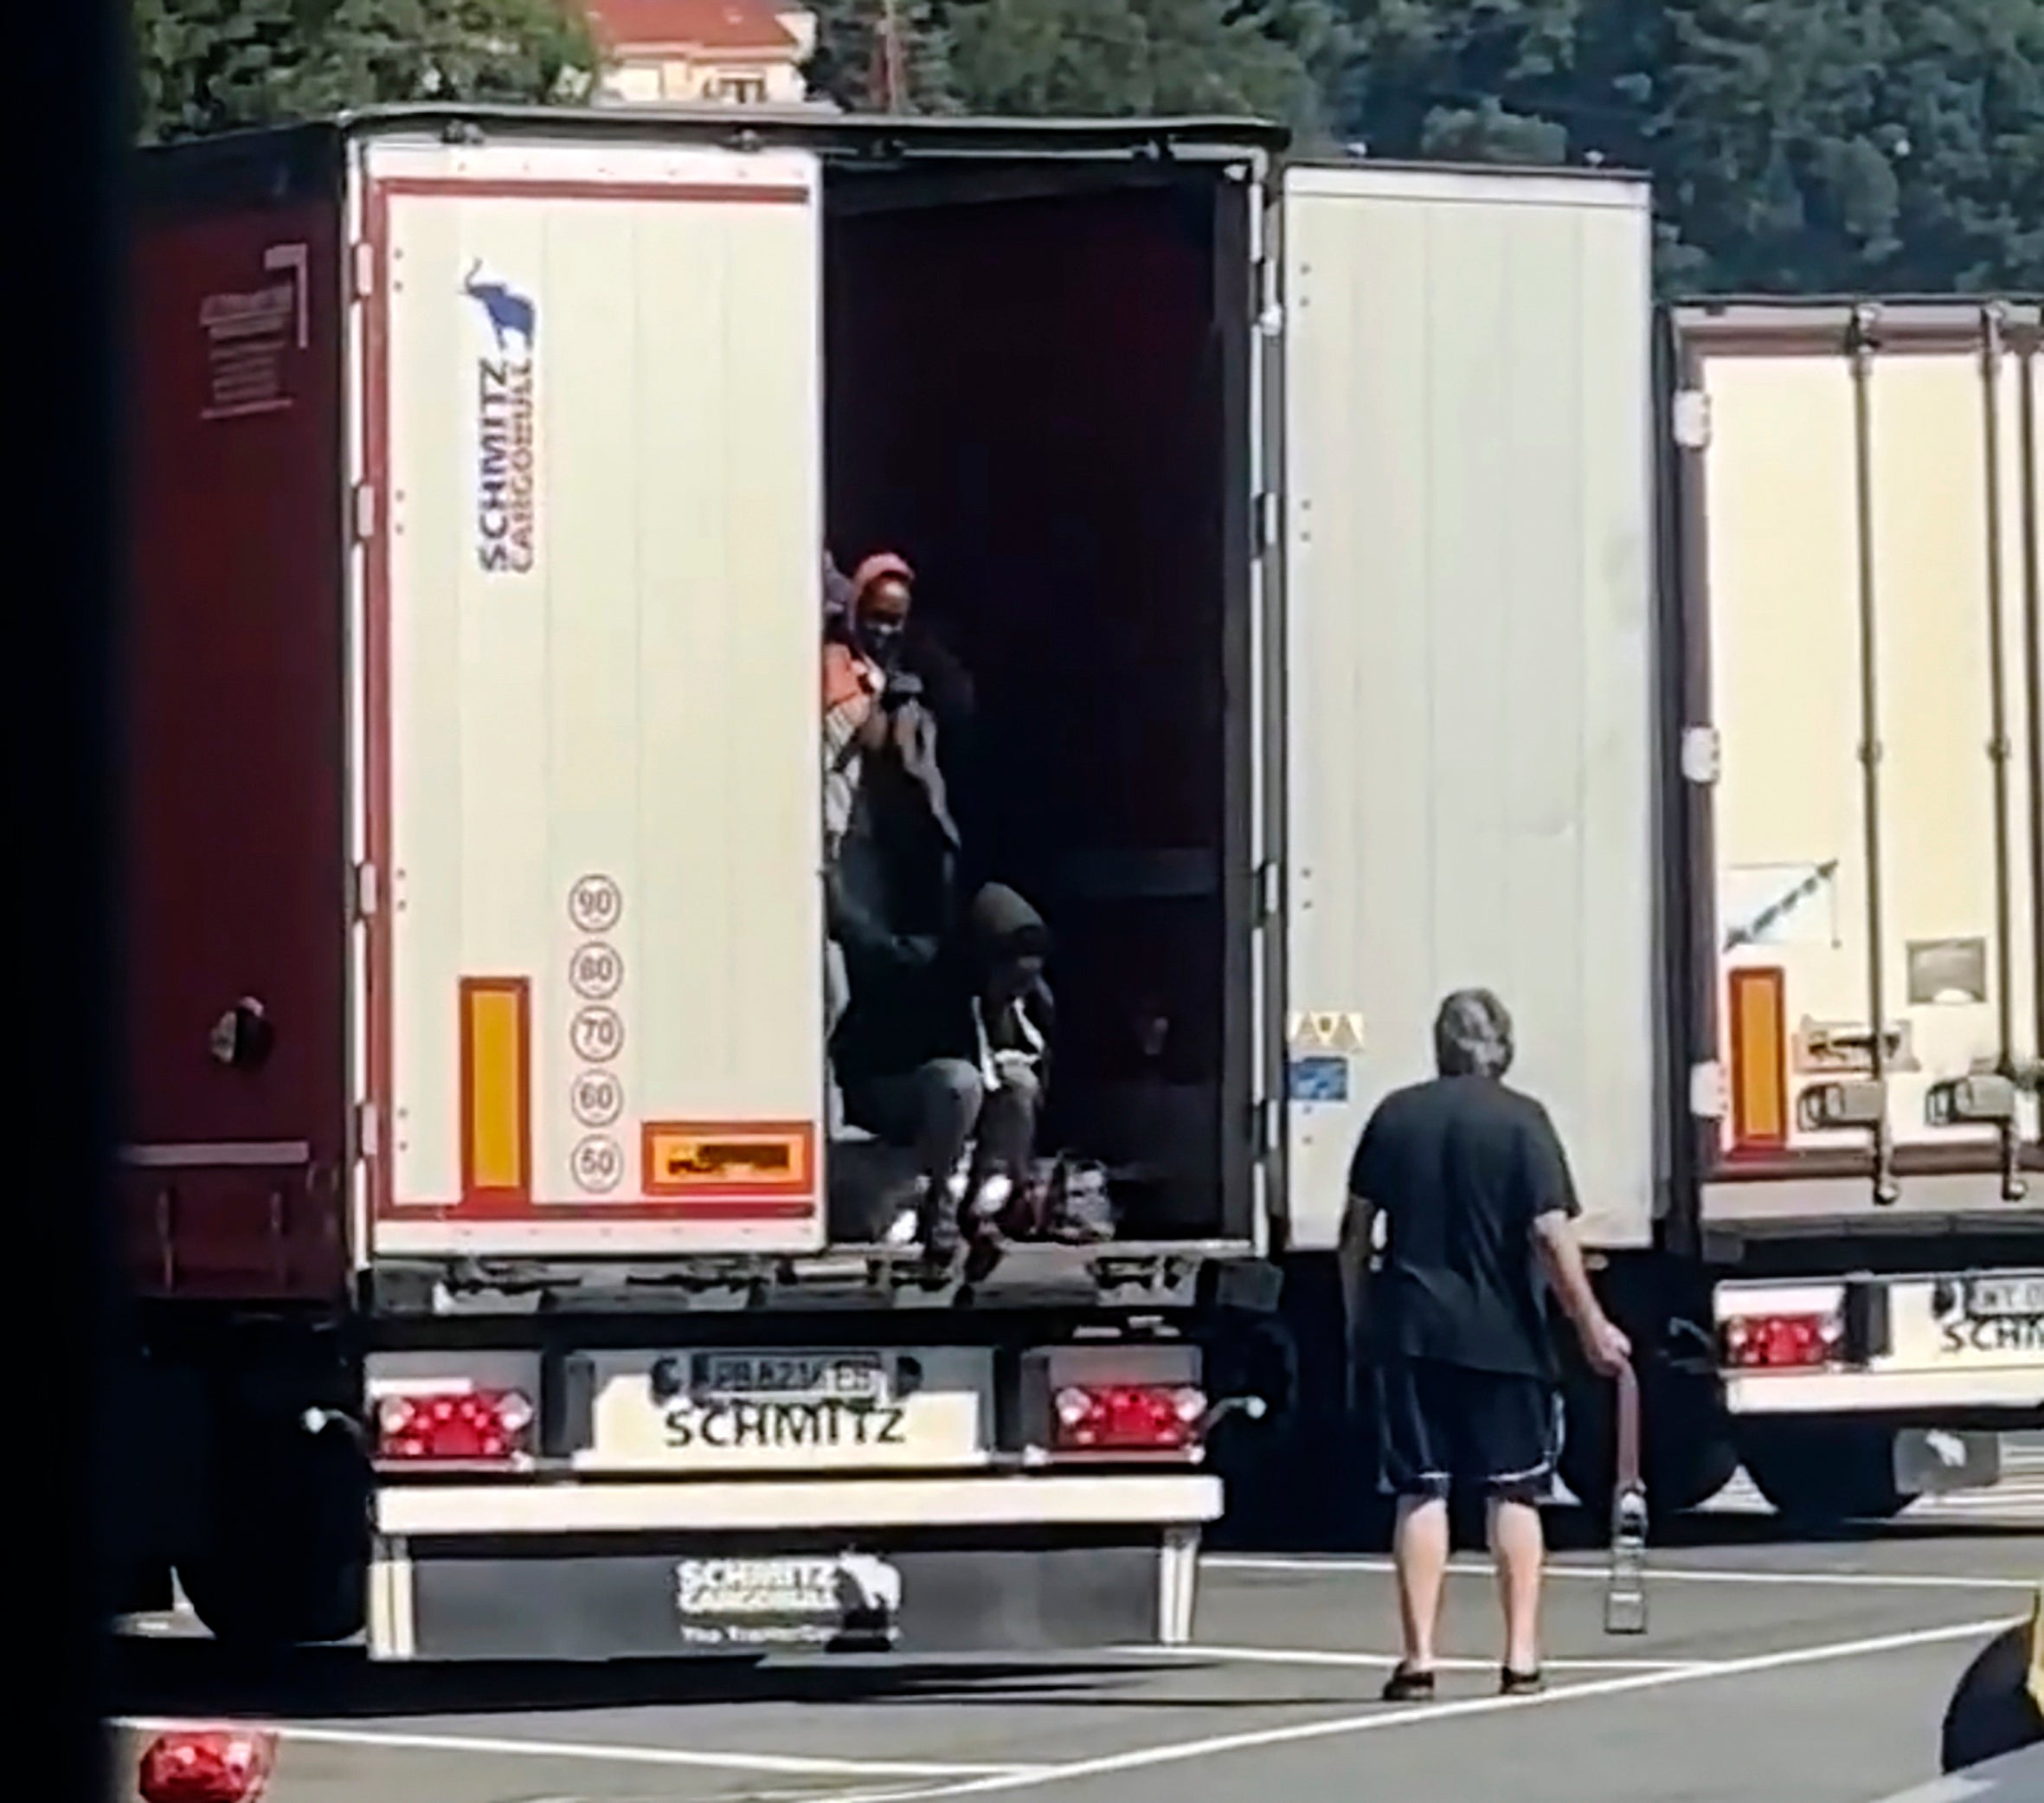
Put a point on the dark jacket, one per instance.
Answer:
(912, 995)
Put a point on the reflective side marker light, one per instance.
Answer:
(497, 1087)
(1759, 1058)
(209, 1765)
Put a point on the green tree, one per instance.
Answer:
(209, 65)
(1114, 57)
(1890, 144)
(850, 64)
(1795, 144)
(1461, 82)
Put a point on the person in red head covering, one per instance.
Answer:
(870, 701)
(882, 592)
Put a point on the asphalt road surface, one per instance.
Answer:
(1773, 1672)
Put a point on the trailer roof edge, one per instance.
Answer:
(878, 136)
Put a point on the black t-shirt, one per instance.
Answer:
(1458, 1169)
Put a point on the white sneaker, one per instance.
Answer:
(993, 1196)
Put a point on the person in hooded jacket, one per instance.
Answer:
(947, 1045)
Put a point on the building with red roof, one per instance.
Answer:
(677, 52)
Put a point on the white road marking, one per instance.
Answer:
(2016, 1500)
(1660, 1573)
(1384, 1661)
(1177, 1752)
(791, 1764)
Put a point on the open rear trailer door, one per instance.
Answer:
(1860, 517)
(1469, 737)
(589, 979)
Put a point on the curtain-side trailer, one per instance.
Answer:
(1855, 542)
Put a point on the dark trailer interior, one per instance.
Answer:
(1036, 367)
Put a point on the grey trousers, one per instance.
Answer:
(946, 1106)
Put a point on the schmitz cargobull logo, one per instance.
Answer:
(850, 1601)
(506, 479)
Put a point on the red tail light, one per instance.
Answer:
(214, 1765)
(454, 1424)
(1783, 1343)
(1125, 1417)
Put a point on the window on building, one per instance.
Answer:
(751, 89)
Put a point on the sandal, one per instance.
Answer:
(1406, 1684)
(1520, 1684)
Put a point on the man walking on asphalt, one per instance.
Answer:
(1459, 1200)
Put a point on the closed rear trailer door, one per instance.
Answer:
(1859, 522)
(589, 819)
(233, 1180)
(1469, 742)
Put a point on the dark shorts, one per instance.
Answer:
(1445, 1427)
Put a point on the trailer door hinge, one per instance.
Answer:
(1708, 1097)
(366, 1131)
(365, 891)
(1269, 890)
(1270, 308)
(365, 512)
(1702, 755)
(1271, 1119)
(1270, 520)
(365, 271)
(1690, 419)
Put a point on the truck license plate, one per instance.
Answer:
(788, 1377)
(2003, 1298)
(812, 1408)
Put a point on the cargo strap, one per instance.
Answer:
(1625, 1588)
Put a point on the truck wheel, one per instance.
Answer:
(261, 1602)
(1821, 1473)
(1688, 1454)
(1993, 1712)
(283, 1559)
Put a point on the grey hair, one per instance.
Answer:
(1473, 1035)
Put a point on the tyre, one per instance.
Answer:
(1687, 1452)
(1821, 1473)
(264, 1600)
(282, 1559)
(1992, 1712)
